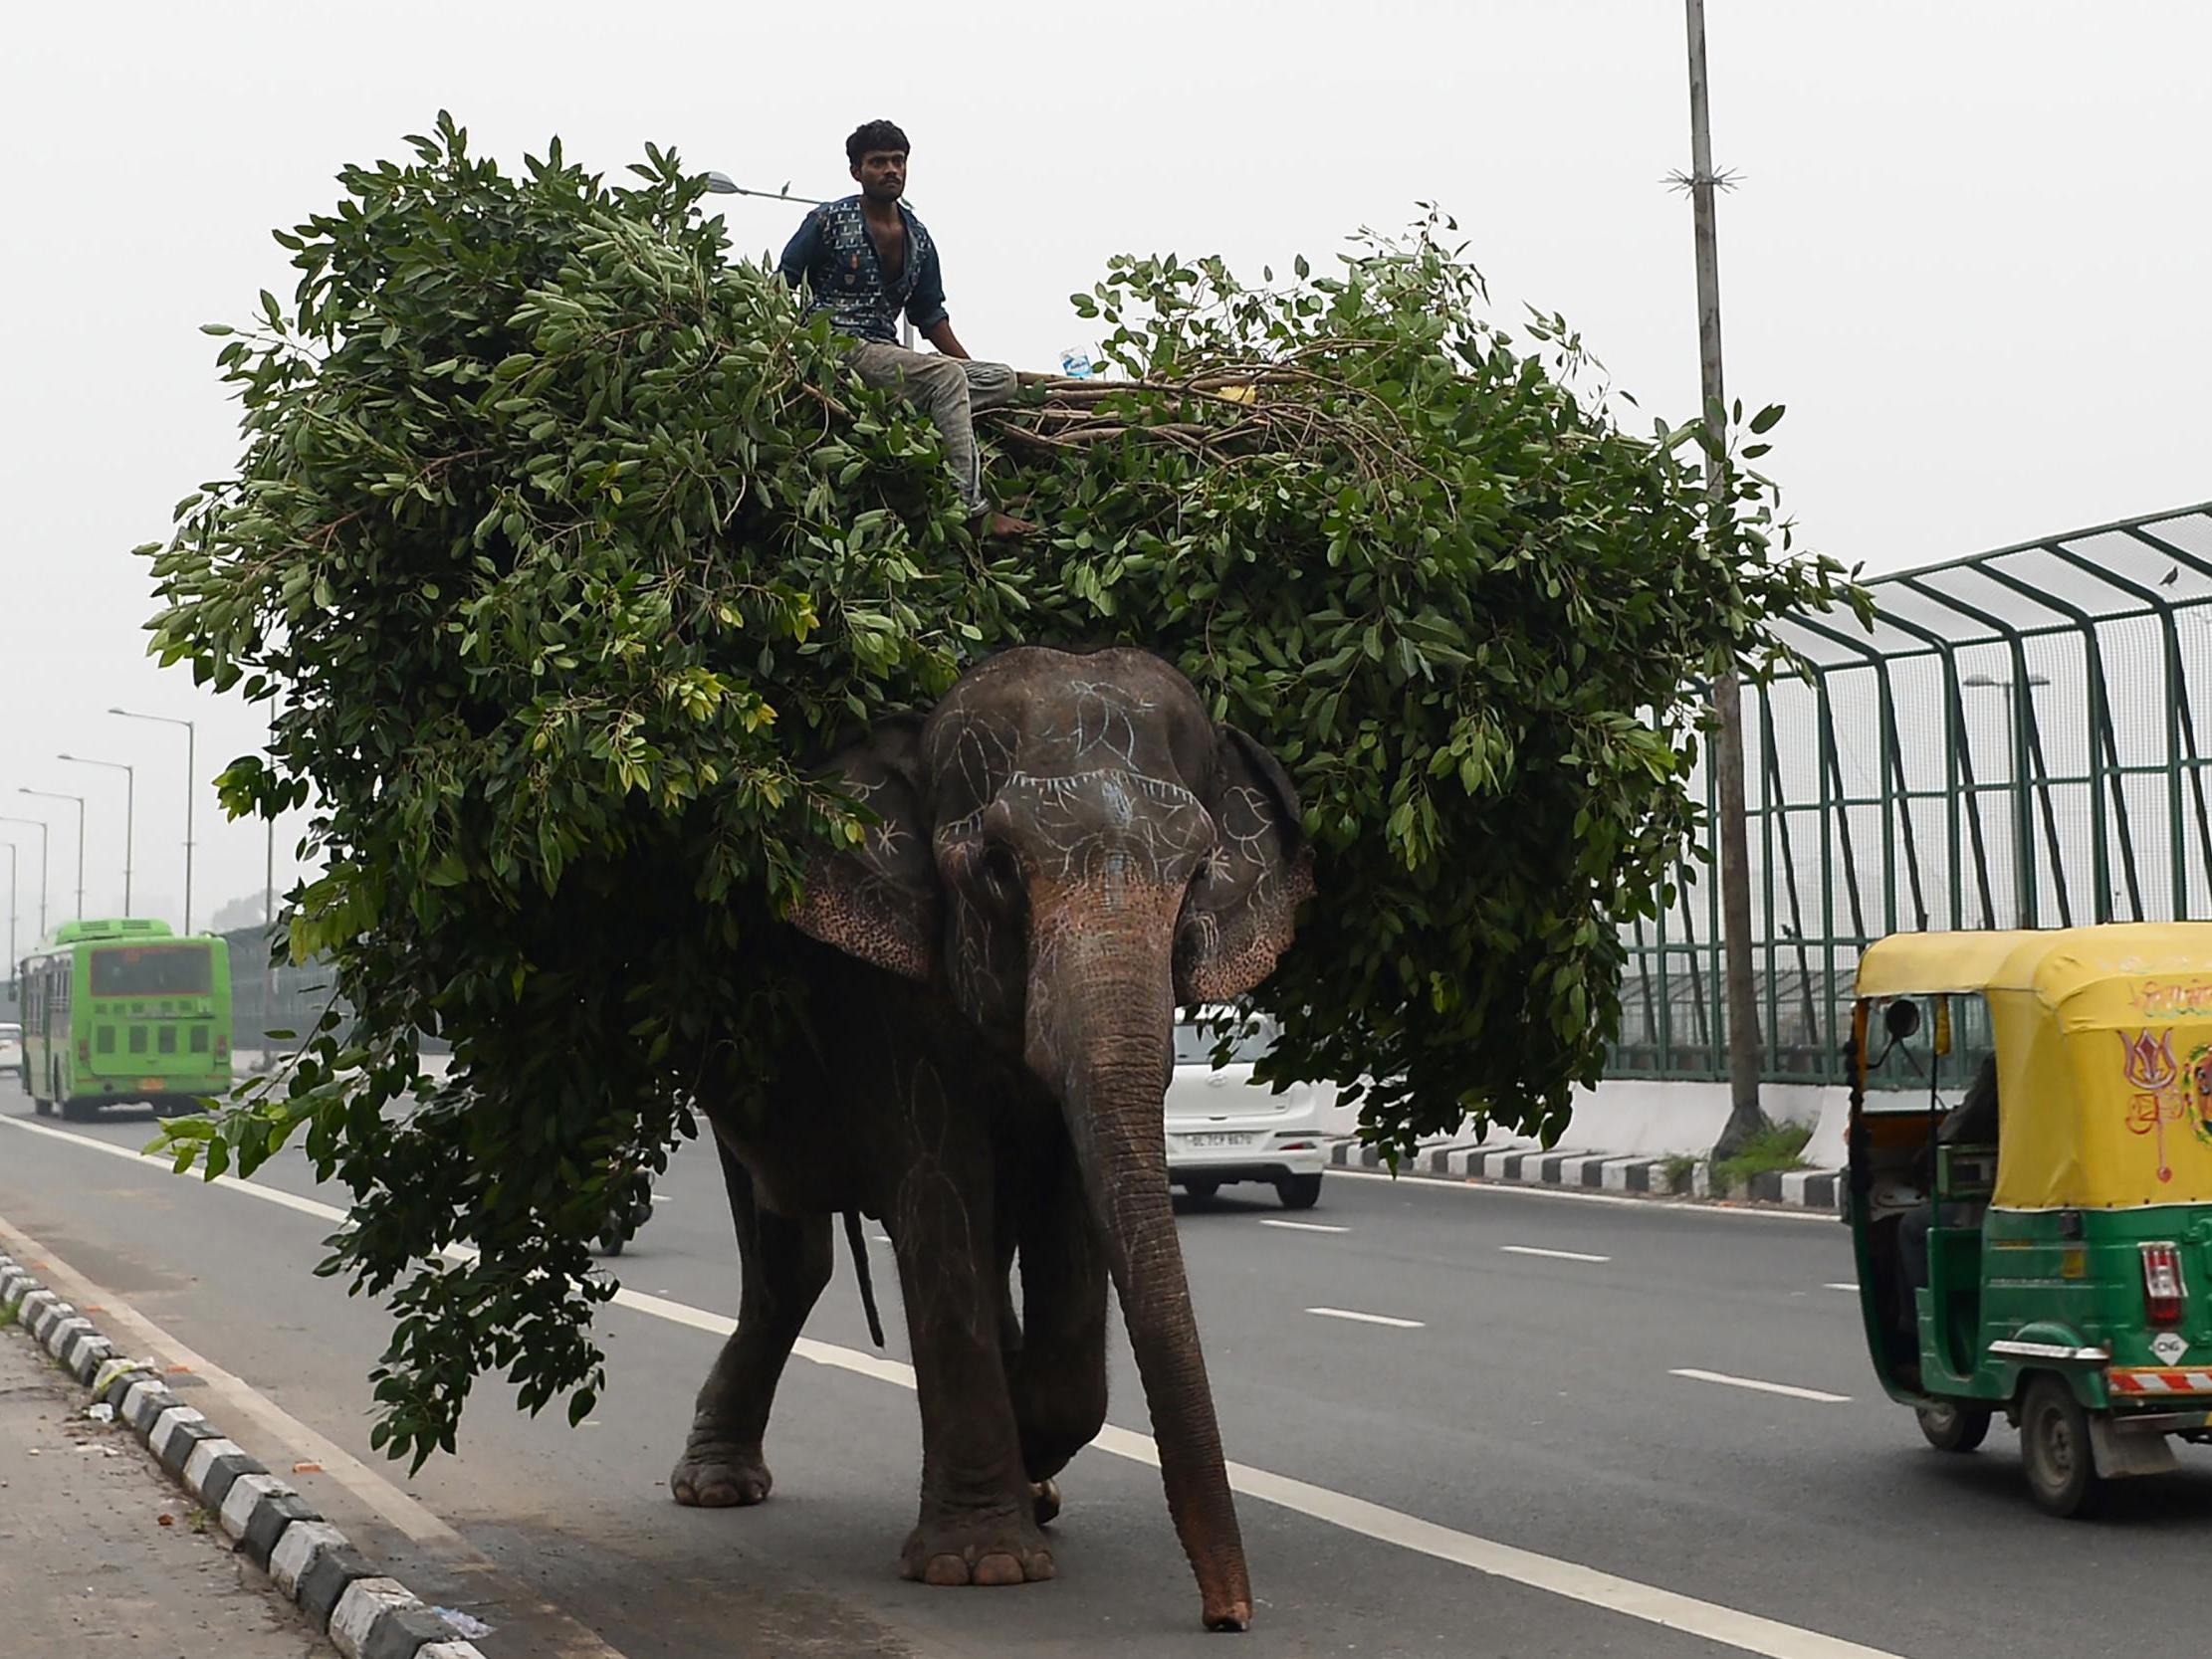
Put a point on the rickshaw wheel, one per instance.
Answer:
(1951, 1427)
(2055, 1446)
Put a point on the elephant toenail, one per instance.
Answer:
(998, 1570)
(946, 1570)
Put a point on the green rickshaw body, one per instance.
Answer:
(2078, 1246)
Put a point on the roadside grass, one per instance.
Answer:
(1777, 1147)
(6, 1317)
(1675, 1171)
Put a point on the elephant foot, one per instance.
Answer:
(1045, 1495)
(714, 1474)
(997, 1548)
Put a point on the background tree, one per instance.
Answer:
(562, 547)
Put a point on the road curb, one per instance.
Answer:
(365, 1614)
(1525, 1163)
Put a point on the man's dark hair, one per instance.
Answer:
(875, 135)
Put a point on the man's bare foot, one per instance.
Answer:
(1000, 523)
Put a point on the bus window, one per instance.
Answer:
(154, 971)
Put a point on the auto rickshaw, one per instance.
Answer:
(2068, 1255)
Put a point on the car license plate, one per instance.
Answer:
(1219, 1139)
(152, 1083)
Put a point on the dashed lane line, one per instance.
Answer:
(1554, 1255)
(1369, 1319)
(1730, 1626)
(1753, 1383)
(1302, 1226)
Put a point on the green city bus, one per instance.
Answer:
(125, 1012)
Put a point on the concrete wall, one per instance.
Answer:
(1654, 1120)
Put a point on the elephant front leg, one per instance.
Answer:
(977, 1523)
(1056, 1369)
(786, 1263)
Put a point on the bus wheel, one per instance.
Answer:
(1950, 1428)
(44, 1108)
(2054, 1447)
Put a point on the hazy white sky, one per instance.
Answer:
(1969, 249)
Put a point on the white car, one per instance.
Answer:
(11, 1047)
(1224, 1128)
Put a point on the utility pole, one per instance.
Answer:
(1745, 1115)
(40, 826)
(191, 784)
(56, 795)
(129, 814)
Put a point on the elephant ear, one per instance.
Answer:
(1237, 920)
(880, 901)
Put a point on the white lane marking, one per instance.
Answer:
(1302, 1226)
(1367, 1318)
(1569, 1580)
(1854, 1288)
(1753, 1382)
(1423, 1183)
(1555, 1255)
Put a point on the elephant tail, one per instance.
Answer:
(858, 1246)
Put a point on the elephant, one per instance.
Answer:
(1063, 850)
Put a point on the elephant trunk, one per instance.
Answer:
(1100, 1033)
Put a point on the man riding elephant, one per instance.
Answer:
(866, 258)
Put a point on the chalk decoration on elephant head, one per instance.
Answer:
(1066, 847)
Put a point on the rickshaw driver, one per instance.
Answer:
(1973, 1123)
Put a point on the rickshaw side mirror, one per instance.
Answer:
(1901, 1019)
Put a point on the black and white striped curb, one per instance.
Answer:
(366, 1615)
(1525, 1163)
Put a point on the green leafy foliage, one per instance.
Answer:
(561, 548)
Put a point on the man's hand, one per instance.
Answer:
(941, 335)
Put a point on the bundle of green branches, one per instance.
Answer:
(562, 549)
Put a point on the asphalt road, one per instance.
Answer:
(1529, 1393)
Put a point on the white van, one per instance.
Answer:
(1224, 1128)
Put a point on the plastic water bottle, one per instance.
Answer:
(1077, 364)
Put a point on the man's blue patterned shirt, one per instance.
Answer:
(832, 256)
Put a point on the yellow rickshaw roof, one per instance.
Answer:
(2053, 962)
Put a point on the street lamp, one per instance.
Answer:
(130, 812)
(56, 795)
(13, 994)
(191, 785)
(2023, 830)
(40, 826)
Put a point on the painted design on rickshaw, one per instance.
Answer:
(2200, 1088)
(2155, 1076)
(2172, 998)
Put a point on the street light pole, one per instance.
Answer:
(191, 787)
(129, 813)
(56, 795)
(13, 992)
(40, 826)
(1745, 1113)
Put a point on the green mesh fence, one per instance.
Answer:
(2016, 745)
